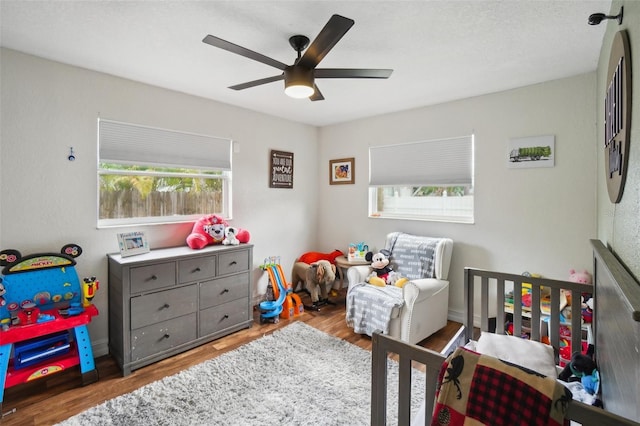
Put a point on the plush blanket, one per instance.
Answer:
(412, 256)
(479, 389)
(370, 308)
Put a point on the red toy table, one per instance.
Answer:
(80, 352)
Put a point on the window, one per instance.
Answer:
(426, 180)
(150, 175)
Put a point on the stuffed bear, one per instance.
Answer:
(210, 230)
(579, 366)
(381, 272)
(579, 277)
(586, 300)
(582, 368)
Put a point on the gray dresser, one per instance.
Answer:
(170, 300)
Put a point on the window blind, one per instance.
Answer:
(125, 143)
(426, 163)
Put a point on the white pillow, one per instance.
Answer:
(533, 355)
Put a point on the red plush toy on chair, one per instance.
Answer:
(210, 230)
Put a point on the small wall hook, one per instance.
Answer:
(71, 156)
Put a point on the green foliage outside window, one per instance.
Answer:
(438, 191)
(141, 191)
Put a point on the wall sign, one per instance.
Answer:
(617, 116)
(281, 166)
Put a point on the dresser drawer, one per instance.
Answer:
(223, 290)
(196, 269)
(159, 337)
(163, 305)
(223, 316)
(229, 263)
(151, 277)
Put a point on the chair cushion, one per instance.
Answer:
(412, 256)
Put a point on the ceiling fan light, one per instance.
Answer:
(298, 82)
(298, 91)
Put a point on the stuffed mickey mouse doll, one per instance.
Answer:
(381, 272)
(379, 267)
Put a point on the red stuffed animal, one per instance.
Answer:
(210, 230)
(314, 256)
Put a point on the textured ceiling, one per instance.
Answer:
(439, 50)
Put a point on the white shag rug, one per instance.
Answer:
(298, 375)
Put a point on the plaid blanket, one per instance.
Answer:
(476, 389)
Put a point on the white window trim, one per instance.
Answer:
(453, 166)
(120, 150)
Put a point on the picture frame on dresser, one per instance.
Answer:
(132, 243)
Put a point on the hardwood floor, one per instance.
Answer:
(53, 399)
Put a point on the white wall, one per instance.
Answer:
(537, 220)
(619, 224)
(48, 201)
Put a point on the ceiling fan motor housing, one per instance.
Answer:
(298, 78)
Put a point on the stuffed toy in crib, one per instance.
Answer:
(586, 300)
(210, 229)
(381, 272)
(582, 369)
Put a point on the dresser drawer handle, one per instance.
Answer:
(197, 269)
(233, 263)
(225, 317)
(226, 290)
(165, 306)
(166, 336)
(154, 277)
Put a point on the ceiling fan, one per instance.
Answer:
(299, 78)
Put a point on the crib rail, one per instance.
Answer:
(382, 347)
(385, 345)
(491, 286)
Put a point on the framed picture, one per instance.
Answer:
(533, 151)
(132, 243)
(342, 171)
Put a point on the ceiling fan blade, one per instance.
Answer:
(242, 51)
(351, 73)
(317, 94)
(255, 83)
(325, 40)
